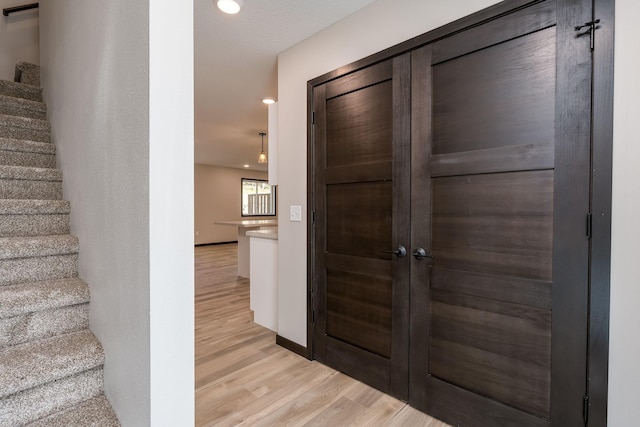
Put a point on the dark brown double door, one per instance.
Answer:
(475, 149)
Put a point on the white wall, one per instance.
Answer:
(171, 212)
(127, 159)
(624, 349)
(19, 41)
(383, 24)
(217, 198)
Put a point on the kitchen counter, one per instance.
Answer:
(244, 226)
(265, 233)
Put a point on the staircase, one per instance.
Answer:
(50, 362)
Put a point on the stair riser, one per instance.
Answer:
(19, 91)
(36, 160)
(27, 189)
(97, 409)
(18, 270)
(25, 133)
(16, 109)
(33, 225)
(38, 402)
(43, 324)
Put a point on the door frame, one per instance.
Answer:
(601, 188)
(601, 184)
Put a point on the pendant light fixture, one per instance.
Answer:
(262, 158)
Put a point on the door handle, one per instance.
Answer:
(400, 252)
(421, 254)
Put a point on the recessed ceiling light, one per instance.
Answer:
(246, 166)
(268, 101)
(230, 6)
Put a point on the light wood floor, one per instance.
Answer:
(244, 378)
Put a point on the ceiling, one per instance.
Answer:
(236, 66)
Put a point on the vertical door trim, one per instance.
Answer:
(572, 194)
(421, 126)
(602, 151)
(311, 253)
(318, 114)
(399, 381)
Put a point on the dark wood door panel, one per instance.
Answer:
(494, 224)
(359, 363)
(357, 265)
(361, 199)
(500, 264)
(518, 235)
(359, 219)
(494, 183)
(477, 410)
(515, 194)
(359, 311)
(491, 376)
(521, 335)
(517, 290)
(497, 349)
(359, 126)
(497, 97)
(365, 290)
(497, 30)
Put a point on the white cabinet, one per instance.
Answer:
(263, 285)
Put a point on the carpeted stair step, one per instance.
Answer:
(33, 404)
(31, 259)
(20, 90)
(12, 106)
(20, 152)
(94, 412)
(37, 310)
(25, 128)
(21, 182)
(33, 217)
(32, 364)
(27, 73)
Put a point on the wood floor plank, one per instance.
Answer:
(244, 379)
(383, 412)
(341, 412)
(409, 416)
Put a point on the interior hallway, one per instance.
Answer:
(244, 378)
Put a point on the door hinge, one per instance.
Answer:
(313, 217)
(589, 227)
(313, 117)
(313, 316)
(592, 26)
(585, 409)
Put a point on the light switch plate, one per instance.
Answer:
(295, 213)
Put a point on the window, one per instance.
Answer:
(258, 198)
